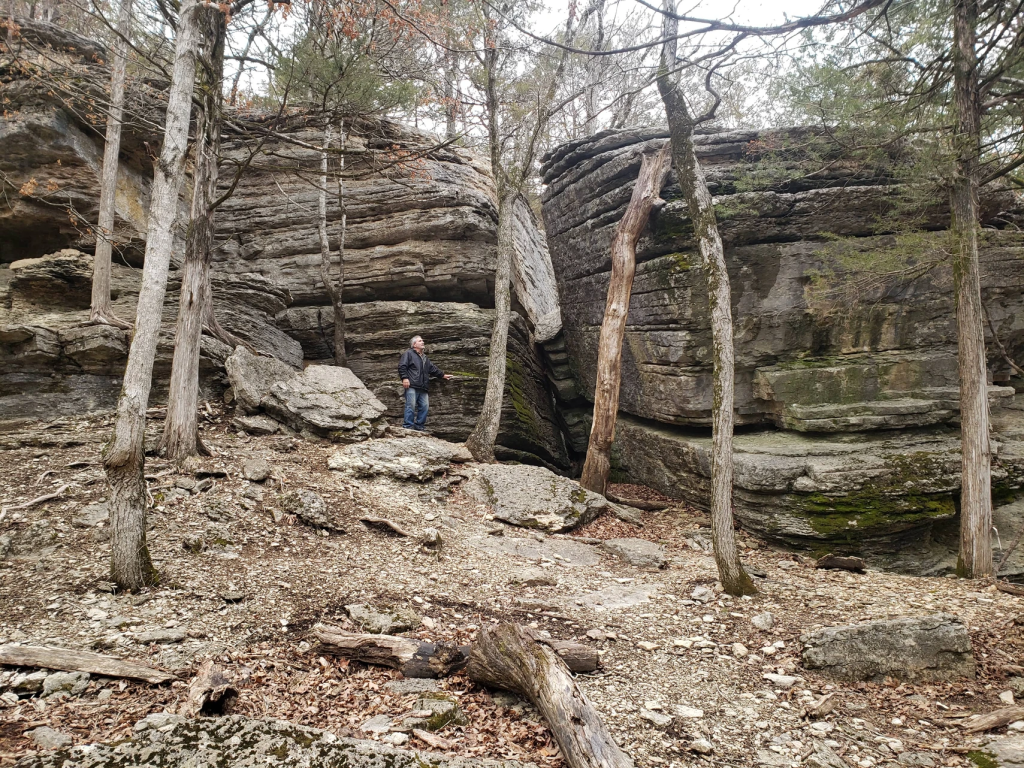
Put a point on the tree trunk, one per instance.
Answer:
(124, 457)
(506, 656)
(180, 441)
(101, 310)
(334, 290)
(975, 559)
(481, 440)
(705, 229)
(613, 327)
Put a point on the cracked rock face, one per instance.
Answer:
(927, 648)
(420, 259)
(171, 741)
(858, 401)
(534, 497)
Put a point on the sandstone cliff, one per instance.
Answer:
(419, 256)
(847, 414)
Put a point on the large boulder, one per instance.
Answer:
(924, 648)
(252, 377)
(534, 497)
(172, 741)
(326, 401)
(403, 458)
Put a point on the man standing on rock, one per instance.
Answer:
(415, 370)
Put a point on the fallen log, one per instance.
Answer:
(414, 658)
(577, 656)
(1010, 589)
(840, 563)
(996, 719)
(507, 656)
(68, 660)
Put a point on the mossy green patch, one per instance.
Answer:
(983, 759)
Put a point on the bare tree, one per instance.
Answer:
(334, 289)
(512, 145)
(646, 193)
(124, 456)
(681, 123)
(180, 441)
(975, 559)
(101, 311)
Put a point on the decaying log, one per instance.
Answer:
(577, 656)
(840, 563)
(209, 692)
(996, 719)
(68, 660)
(414, 658)
(507, 656)
(1010, 589)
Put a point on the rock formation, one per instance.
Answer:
(847, 414)
(419, 256)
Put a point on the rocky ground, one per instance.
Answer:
(248, 567)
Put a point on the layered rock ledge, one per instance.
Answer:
(847, 408)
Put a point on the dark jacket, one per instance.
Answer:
(418, 370)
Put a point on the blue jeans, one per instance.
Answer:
(417, 403)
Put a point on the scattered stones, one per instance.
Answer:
(376, 724)
(30, 682)
(702, 594)
(534, 497)
(257, 424)
(232, 597)
(397, 739)
(174, 635)
(431, 541)
(763, 621)
(326, 401)
(785, 682)
(533, 577)
(412, 685)
(252, 377)
(648, 646)
(638, 552)
(403, 458)
(256, 469)
(309, 507)
(48, 738)
(383, 621)
(1006, 697)
(73, 683)
(618, 596)
(739, 650)
(919, 759)
(443, 710)
(701, 746)
(691, 713)
(656, 718)
(565, 551)
(927, 648)
(92, 515)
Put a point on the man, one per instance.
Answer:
(415, 370)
